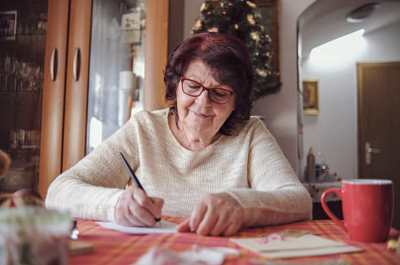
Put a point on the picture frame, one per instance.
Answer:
(269, 10)
(130, 26)
(8, 25)
(310, 97)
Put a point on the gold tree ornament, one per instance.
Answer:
(251, 20)
(251, 4)
(238, 18)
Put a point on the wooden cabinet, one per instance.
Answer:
(68, 77)
(53, 94)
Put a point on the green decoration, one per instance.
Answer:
(237, 17)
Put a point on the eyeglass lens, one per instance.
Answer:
(194, 89)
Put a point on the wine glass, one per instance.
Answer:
(8, 70)
(29, 73)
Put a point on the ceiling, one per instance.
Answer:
(325, 20)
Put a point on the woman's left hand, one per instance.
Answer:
(216, 214)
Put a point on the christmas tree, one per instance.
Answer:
(237, 17)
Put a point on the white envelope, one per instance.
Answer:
(307, 245)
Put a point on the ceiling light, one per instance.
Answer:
(361, 13)
(340, 49)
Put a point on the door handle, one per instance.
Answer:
(369, 151)
(76, 64)
(53, 65)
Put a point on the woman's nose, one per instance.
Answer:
(204, 98)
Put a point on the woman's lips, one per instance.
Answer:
(203, 116)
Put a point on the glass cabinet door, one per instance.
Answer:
(101, 46)
(116, 68)
(23, 27)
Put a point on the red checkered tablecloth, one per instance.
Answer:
(113, 247)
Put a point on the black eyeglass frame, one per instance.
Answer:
(205, 88)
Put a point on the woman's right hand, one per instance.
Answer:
(135, 208)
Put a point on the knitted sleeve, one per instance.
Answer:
(91, 188)
(276, 195)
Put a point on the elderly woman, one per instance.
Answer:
(204, 158)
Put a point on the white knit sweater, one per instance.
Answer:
(250, 166)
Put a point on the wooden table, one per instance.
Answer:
(113, 247)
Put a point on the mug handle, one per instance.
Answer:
(326, 208)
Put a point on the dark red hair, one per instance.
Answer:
(230, 64)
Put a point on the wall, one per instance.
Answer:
(280, 110)
(334, 130)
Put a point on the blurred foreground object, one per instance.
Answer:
(23, 198)
(4, 164)
(34, 235)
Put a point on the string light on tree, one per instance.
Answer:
(238, 18)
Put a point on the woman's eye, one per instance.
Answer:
(193, 85)
(220, 93)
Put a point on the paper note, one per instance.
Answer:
(163, 227)
(306, 245)
(291, 233)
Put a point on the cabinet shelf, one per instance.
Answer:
(22, 35)
(22, 148)
(20, 91)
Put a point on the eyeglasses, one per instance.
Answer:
(215, 94)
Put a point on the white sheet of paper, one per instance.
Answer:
(307, 245)
(164, 227)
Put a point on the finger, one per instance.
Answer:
(125, 218)
(221, 225)
(129, 213)
(197, 215)
(184, 226)
(121, 210)
(232, 229)
(208, 223)
(139, 216)
(145, 202)
(159, 203)
(235, 222)
(122, 220)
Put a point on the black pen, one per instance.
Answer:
(134, 178)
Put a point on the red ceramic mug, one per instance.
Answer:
(367, 208)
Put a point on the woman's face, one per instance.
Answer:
(200, 114)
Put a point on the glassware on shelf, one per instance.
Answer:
(32, 139)
(42, 24)
(8, 69)
(30, 76)
(17, 138)
(18, 75)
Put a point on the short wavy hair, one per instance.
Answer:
(230, 64)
